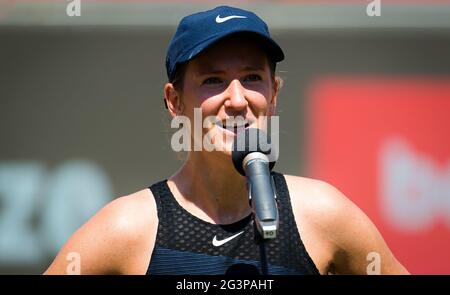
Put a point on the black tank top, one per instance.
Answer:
(186, 244)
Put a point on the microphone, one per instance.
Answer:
(250, 158)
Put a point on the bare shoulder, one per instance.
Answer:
(319, 196)
(118, 239)
(318, 201)
(344, 233)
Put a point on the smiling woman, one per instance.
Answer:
(243, 74)
(221, 64)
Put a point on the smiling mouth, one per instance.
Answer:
(233, 126)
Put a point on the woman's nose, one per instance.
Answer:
(236, 96)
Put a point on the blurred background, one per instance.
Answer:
(365, 106)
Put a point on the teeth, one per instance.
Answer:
(234, 126)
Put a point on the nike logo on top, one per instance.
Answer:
(224, 19)
(218, 243)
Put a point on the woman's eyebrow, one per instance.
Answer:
(208, 71)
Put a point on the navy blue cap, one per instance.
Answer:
(198, 31)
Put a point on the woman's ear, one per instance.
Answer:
(172, 100)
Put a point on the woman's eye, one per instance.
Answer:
(212, 81)
(253, 77)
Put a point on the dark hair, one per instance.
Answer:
(178, 77)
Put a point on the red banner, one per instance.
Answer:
(385, 143)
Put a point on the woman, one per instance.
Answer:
(222, 63)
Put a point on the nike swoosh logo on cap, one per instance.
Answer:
(218, 243)
(224, 19)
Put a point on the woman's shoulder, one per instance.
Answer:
(131, 213)
(329, 217)
(321, 201)
(117, 239)
(324, 208)
(131, 221)
(318, 200)
(314, 192)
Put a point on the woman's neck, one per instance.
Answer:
(209, 187)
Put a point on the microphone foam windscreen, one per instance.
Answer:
(251, 140)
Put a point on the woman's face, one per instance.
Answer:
(231, 81)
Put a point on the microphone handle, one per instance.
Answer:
(262, 196)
